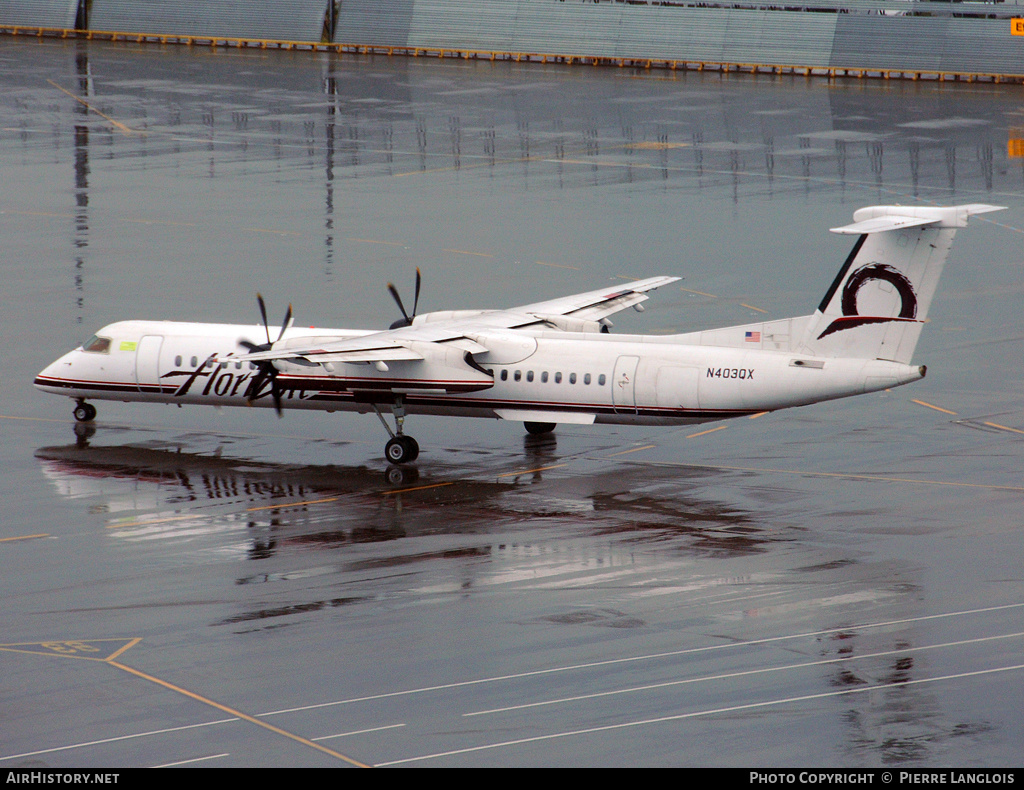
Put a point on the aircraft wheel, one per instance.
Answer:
(85, 412)
(401, 450)
(539, 427)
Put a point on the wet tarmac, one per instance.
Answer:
(838, 585)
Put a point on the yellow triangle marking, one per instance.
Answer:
(92, 649)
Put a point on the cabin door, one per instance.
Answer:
(624, 385)
(147, 364)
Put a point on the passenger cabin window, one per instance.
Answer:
(601, 380)
(529, 375)
(558, 378)
(194, 361)
(572, 378)
(586, 379)
(544, 377)
(177, 361)
(97, 345)
(504, 375)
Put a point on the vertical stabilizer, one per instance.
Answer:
(878, 303)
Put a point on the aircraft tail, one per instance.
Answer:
(878, 303)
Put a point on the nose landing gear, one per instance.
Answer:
(84, 412)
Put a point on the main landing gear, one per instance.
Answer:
(401, 449)
(84, 412)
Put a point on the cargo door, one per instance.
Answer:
(677, 388)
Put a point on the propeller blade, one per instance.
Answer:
(252, 391)
(289, 319)
(263, 312)
(394, 293)
(275, 393)
(250, 346)
(416, 297)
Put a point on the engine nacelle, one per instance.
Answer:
(569, 324)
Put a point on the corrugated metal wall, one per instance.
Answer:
(42, 13)
(611, 30)
(868, 34)
(285, 20)
(386, 24)
(861, 39)
(891, 42)
(877, 30)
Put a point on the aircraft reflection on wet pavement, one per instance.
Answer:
(147, 494)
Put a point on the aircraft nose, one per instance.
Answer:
(53, 373)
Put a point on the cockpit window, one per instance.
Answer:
(97, 345)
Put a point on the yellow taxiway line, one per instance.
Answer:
(116, 124)
(932, 406)
(233, 712)
(77, 649)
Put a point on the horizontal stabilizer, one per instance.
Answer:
(879, 224)
(878, 219)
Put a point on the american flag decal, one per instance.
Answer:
(752, 337)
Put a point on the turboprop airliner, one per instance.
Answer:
(549, 362)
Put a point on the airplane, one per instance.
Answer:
(551, 362)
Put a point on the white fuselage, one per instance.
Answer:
(536, 376)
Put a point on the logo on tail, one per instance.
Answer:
(873, 271)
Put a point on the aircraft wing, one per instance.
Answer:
(466, 332)
(595, 305)
(374, 347)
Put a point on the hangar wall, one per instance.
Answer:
(48, 13)
(882, 35)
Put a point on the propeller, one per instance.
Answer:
(265, 368)
(406, 319)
